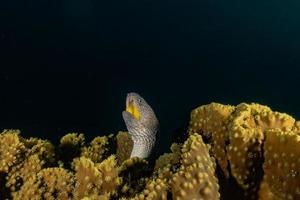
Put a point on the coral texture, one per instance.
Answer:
(212, 121)
(195, 178)
(247, 148)
(259, 147)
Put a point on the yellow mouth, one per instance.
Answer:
(133, 110)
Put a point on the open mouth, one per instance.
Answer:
(132, 108)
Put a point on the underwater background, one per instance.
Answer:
(66, 66)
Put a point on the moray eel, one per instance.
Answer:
(142, 125)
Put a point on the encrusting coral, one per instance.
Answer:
(248, 143)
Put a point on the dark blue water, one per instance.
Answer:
(66, 66)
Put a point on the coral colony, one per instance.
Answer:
(255, 148)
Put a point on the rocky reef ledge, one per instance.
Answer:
(246, 151)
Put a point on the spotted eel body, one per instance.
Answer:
(141, 124)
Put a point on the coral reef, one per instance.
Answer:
(247, 148)
(75, 170)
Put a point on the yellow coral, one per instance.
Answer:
(212, 121)
(265, 193)
(251, 139)
(168, 158)
(48, 184)
(243, 128)
(96, 149)
(11, 149)
(296, 127)
(133, 174)
(101, 197)
(196, 176)
(141, 188)
(124, 146)
(155, 190)
(70, 148)
(72, 139)
(95, 179)
(42, 148)
(111, 180)
(131, 162)
(32, 155)
(282, 163)
(246, 136)
(23, 172)
(88, 178)
(38, 154)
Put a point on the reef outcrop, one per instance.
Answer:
(247, 148)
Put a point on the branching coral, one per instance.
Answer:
(30, 156)
(97, 149)
(32, 170)
(95, 180)
(70, 147)
(49, 183)
(88, 178)
(11, 150)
